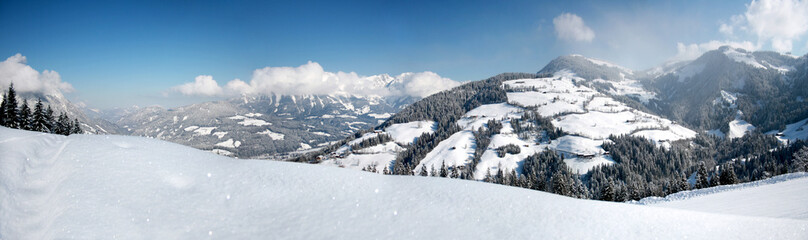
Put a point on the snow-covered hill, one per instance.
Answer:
(781, 196)
(588, 115)
(108, 187)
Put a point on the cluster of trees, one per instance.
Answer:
(533, 122)
(372, 141)
(41, 119)
(643, 169)
(482, 138)
(509, 148)
(444, 171)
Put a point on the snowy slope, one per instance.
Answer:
(107, 187)
(794, 131)
(783, 196)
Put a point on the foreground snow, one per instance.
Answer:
(106, 187)
(784, 196)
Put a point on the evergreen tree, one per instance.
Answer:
(11, 114)
(560, 184)
(63, 125)
(50, 124)
(701, 177)
(607, 192)
(26, 121)
(455, 173)
(424, 172)
(714, 180)
(728, 175)
(444, 172)
(39, 120)
(76, 127)
(683, 185)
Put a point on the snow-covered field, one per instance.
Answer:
(783, 196)
(108, 187)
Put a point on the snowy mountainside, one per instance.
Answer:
(731, 90)
(93, 186)
(262, 126)
(587, 115)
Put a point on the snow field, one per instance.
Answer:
(781, 196)
(105, 187)
(406, 133)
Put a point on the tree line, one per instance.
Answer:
(40, 119)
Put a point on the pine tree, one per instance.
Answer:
(607, 192)
(50, 124)
(444, 172)
(728, 175)
(25, 117)
(77, 128)
(63, 125)
(683, 185)
(560, 184)
(424, 172)
(11, 114)
(455, 173)
(714, 180)
(701, 177)
(39, 120)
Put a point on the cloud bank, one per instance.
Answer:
(571, 27)
(26, 79)
(775, 22)
(693, 51)
(312, 79)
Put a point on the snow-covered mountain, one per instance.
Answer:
(98, 187)
(267, 126)
(730, 90)
(727, 91)
(588, 117)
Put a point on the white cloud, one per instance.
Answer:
(203, 85)
(425, 83)
(726, 29)
(693, 51)
(27, 79)
(778, 22)
(571, 27)
(312, 79)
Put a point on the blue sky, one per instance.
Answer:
(120, 54)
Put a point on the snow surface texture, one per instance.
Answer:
(107, 187)
(783, 196)
(406, 133)
(739, 127)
